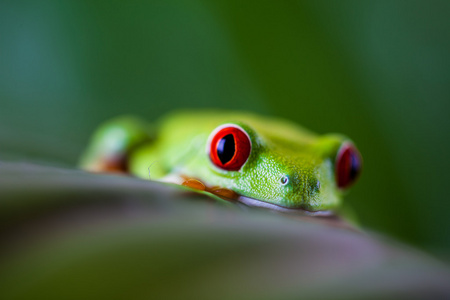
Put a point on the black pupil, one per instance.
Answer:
(355, 166)
(226, 148)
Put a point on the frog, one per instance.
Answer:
(252, 159)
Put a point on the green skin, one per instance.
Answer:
(279, 149)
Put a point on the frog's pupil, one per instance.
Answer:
(354, 166)
(226, 148)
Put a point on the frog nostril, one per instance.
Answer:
(317, 187)
(284, 179)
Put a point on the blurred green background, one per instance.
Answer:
(378, 71)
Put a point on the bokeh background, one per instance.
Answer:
(378, 71)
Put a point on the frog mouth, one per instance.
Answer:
(260, 203)
(323, 217)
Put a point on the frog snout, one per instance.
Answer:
(311, 188)
(304, 186)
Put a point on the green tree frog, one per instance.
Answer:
(256, 160)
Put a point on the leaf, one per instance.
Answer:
(67, 234)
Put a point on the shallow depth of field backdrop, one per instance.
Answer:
(378, 71)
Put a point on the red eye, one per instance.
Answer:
(348, 165)
(230, 147)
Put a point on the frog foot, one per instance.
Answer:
(223, 193)
(111, 164)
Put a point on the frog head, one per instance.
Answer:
(281, 168)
